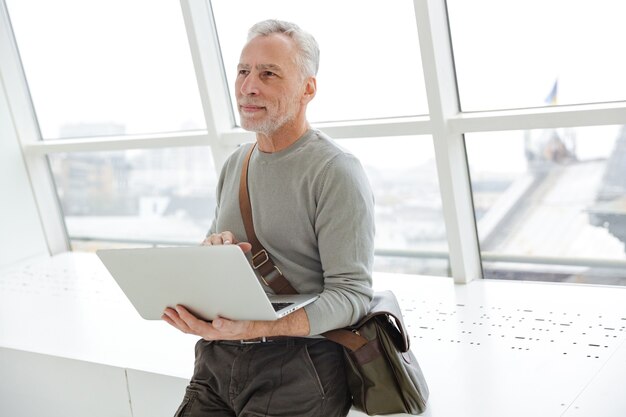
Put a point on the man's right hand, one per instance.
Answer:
(226, 238)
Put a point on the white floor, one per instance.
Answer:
(490, 348)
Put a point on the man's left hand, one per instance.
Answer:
(219, 329)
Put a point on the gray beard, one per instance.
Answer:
(267, 127)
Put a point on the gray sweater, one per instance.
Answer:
(313, 210)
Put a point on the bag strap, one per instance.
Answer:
(261, 260)
(346, 338)
(384, 304)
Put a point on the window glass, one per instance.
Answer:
(551, 197)
(370, 65)
(510, 54)
(164, 195)
(107, 68)
(409, 216)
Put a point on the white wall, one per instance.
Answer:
(49, 386)
(21, 233)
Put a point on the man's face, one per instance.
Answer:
(269, 86)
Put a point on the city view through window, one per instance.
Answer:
(551, 193)
(557, 192)
(541, 197)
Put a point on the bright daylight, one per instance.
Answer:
(454, 169)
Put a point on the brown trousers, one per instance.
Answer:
(290, 377)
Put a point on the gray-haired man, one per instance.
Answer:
(313, 211)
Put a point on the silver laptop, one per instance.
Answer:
(209, 281)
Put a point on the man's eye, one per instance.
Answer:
(243, 72)
(268, 74)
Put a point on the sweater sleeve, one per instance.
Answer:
(218, 194)
(344, 226)
(218, 191)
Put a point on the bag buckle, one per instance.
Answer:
(276, 270)
(263, 253)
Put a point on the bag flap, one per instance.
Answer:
(385, 303)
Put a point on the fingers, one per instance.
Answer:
(186, 322)
(219, 329)
(245, 246)
(226, 238)
(223, 238)
(172, 317)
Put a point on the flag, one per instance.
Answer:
(551, 97)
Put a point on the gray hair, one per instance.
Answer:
(308, 59)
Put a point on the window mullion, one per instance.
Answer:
(597, 114)
(452, 168)
(209, 70)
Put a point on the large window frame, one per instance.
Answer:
(446, 123)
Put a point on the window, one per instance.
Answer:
(409, 217)
(551, 197)
(370, 65)
(510, 54)
(164, 195)
(107, 68)
(548, 202)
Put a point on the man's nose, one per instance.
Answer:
(249, 86)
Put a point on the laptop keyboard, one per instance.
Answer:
(280, 306)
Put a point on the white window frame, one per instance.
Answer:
(27, 130)
(445, 123)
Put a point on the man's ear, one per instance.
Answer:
(310, 88)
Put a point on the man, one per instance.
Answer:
(313, 212)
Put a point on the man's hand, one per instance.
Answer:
(219, 329)
(294, 324)
(226, 238)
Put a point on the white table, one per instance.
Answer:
(72, 345)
